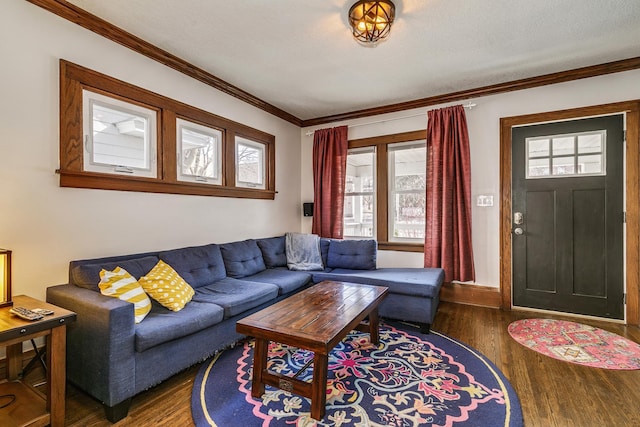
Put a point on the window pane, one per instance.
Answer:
(358, 220)
(538, 167)
(590, 143)
(591, 164)
(359, 209)
(408, 216)
(538, 147)
(120, 136)
(249, 163)
(407, 200)
(199, 152)
(563, 146)
(563, 166)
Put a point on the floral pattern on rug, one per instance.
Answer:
(577, 343)
(404, 381)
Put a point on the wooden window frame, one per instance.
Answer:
(74, 78)
(382, 185)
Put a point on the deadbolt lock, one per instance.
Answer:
(518, 218)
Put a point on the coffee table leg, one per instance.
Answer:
(319, 386)
(259, 363)
(373, 326)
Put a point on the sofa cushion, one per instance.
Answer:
(286, 280)
(242, 258)
(120, 284)
(423, 282)
(273, 251)
(165, 285)
(86, 274)
(324, 251)
(352, 254)
(197, 265)
(162, 325)
(236, 296)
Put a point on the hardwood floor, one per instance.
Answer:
(552, 393)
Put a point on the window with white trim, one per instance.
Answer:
(119, 136)
(574, 154)
(250, 158)
(199, 152)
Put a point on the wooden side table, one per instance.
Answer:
(30, 407)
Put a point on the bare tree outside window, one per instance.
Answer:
(198, 161)
(199, 152)
(249, 163)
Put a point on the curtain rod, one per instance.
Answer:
(468, 105)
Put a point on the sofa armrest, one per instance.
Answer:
(100, 343)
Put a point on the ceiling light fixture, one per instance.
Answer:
(371, 20)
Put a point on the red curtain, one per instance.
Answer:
(448, 209)
(329, 170)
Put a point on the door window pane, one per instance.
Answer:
(538, 167)
(538, 148)
(199, 151)
(359, 201)
(591, 164)
(590, 143)
(407, 191)
(563, 166)
(563, 146)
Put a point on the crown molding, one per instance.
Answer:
(527, 83)
(99, 26)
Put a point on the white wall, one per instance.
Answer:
(484, 135)
(47, 226)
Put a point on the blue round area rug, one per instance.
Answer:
(409, 379)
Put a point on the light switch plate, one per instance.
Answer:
(484, 200)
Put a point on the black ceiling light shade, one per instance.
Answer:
(371, 20)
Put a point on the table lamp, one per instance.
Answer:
(5, 278)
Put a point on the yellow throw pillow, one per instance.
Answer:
(120, 284)
(165, 285)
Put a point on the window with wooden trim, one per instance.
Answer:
(116, 136)
(385, 190)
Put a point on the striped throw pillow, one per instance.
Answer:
(165, 285)
(120, 284)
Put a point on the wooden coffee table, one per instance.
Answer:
(316, 319)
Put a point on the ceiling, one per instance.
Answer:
(300, 57)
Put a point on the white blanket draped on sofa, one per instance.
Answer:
(303, 252)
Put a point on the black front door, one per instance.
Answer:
(567, 219)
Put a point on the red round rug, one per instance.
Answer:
(577, 343)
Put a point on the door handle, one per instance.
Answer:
(518, 231)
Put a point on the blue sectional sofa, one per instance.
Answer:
(112, 358)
